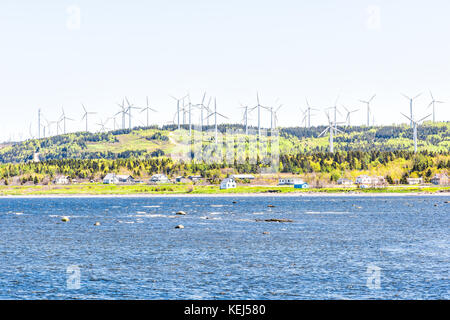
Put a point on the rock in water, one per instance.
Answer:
(97, 223)
(279, 220)
(65, 219)
(271, 206)
(180, 226)
(181, 213)
(266, 232)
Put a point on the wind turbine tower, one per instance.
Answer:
(415, 125)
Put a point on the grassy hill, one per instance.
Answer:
(151, 142)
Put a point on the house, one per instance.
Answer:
(125, 178)
(195, 178)
(290, 181)
(363, 179)
(440, 179)
(110, 178)
(159, 178)
(243, 176)
(301, 186)
(345, 182)
(61, 180)
(181, 179)
(228, 183)
(414, 180)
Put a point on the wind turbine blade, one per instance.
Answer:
(372, 98)
(406, 116)
(417, 96)
(432, 98)
(323, 132)
(406, 96)
(423, 118)
(219, 114)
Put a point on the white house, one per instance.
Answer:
(110, 178)
(290, 181)
(363, 179)
(159, 178)
(61, 180)
(414, 180)
(125, 178)
(344, 181)
(228, 183)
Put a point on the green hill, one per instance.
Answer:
(151, 142)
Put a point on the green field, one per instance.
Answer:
(102, 189)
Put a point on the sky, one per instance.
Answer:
(61, 53)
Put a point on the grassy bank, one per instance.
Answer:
(101, 189)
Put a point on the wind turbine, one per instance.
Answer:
(245, 118)
(308, 110)
(415, 125)
(331, 128)
(123, 111)
(31, 132)
(130, 106)
(102, 126)
(114, 121)
(274, 117)
(202, 107)
(39, 123)
(411, 106)
(432, 103)
(85, 116)
(349, 112)
(215, 114)
(368, 108)
(304, 116)
(49, 123)
(258, 106)
(178, 108)
(147, 108)
(64, 118)
(335, 112)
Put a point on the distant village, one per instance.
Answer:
(232, 181)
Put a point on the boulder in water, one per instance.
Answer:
(181, 213)
(65, 219)
(97, 223)
(180, 226)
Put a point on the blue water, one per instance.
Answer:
(222, 253)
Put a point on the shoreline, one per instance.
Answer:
(231, 195)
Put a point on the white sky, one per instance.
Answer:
(286, 50)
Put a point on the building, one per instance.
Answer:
(159, 178)
(440, 179)
(363, 179)
(301, 186)
(228, 183)
(125, 178)
(195, 178)
(345, 182)
(290, 181)
(112, 178)
(414, 180)
(243, 176)
(61, 180)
